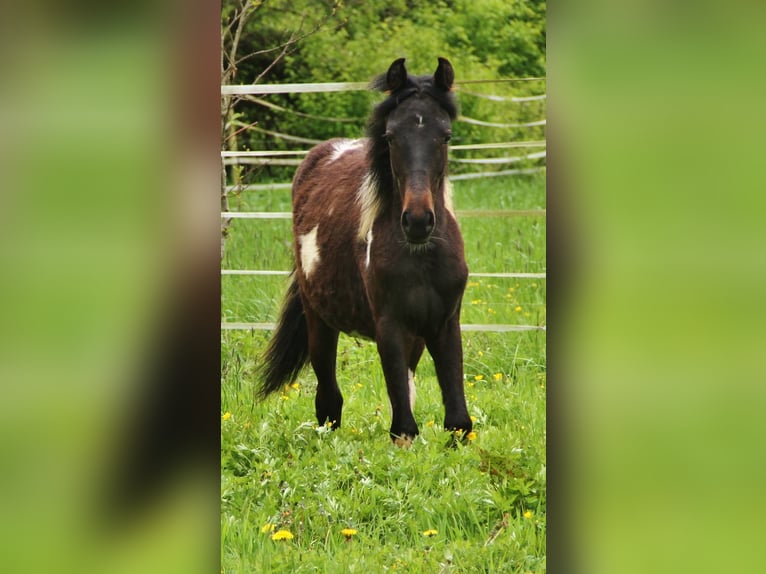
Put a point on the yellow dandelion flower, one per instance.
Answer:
(348, 532)
(528, 514)
(471, 383)
(430, 532)
(268, 527)
(430, 423)
(359, 385)
(481, 353)
(497, 376)
(476, 302)
(285, 398)
(471, 435)
(296, 386)
(226, 416)
(282, 535)
(478, 377)
(473, 419)
(518, 308)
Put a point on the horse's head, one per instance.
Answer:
(416, 131)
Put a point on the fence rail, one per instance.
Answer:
(460, 213)
(458, 177)
(470, 274)
(321, 87)
(491, 327)
(496, 145)
(262, 160)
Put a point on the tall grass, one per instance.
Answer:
(479, 507)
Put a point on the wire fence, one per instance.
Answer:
(288, 158)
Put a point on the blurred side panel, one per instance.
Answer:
(657, 120)
(109, 300)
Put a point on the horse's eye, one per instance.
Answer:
(447, 138)
(388, 136)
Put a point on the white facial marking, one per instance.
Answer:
(309, 251)
(369, 245)
(420, 120)
(411, 385)
(342, 146)
(369, 203)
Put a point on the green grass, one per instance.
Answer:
(485, 499)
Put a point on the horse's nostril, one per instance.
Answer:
(418, 225)
(429, 220)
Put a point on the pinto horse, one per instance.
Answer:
(379, 254)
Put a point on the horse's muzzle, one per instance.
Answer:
(418, 226)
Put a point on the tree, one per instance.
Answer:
(241, 32)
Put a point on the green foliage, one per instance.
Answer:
(357, 40)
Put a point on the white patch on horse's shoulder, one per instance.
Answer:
(369, 203)
(448, 197)
(369, 245)
(411, 385)
(309, 251)
(342, 146)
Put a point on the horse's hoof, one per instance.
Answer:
(328, 423)
(403, 441)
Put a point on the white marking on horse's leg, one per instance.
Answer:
(369, 245)
(309, 251)
(369, 204)
(342, 146)
(411, 385)
(448, 197)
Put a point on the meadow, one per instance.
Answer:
(297, 497)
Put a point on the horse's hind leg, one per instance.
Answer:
(323, 347)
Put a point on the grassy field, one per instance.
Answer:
(349, 501)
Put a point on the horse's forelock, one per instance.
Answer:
(413, 85)
(376, 126)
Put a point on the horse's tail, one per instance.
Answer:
(288, 350)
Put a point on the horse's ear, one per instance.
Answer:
(444, 75)
(396, 77)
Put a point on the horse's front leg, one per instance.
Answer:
(446, 349)
(395, 347)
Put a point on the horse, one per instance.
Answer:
(379, 255)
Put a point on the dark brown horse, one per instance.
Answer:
(378, 253)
